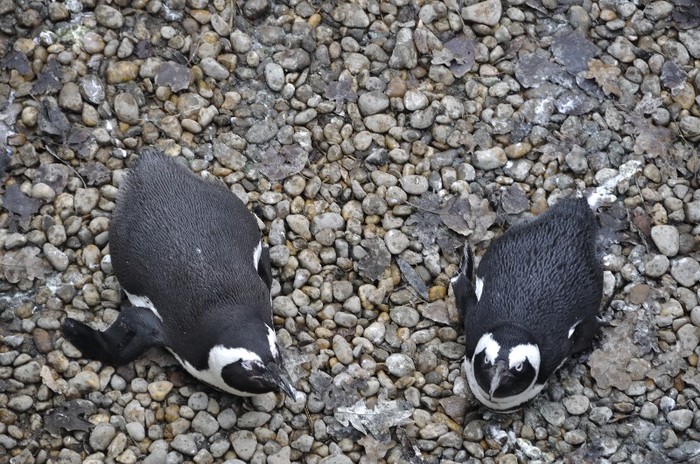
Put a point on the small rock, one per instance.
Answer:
(488, 12)
(214, 69)
(380, 123)
(667, 239)
(351, 15)
(405, 55)
(657, 266)
(28, 373)
(20, 403)
(414, 184)
(69, 97)
(576, 404)
(274, 76)
(185, 443)
(294, 59)
(404, 316)
(159, 390)
(342, 350)
(56, 257)
(372, 103)
(244, 443)
(108, 17)
(400, 365)
(253, 9)
(101, 436)
(553, 413)
(126, 108)
(680, 419)
(86, 200)
(490, 159)
(686, 271)
(85, 381)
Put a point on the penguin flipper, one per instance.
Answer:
(584, 333)
(135, 330)
(465, 294)
(264, 268)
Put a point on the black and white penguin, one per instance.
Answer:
(190, 258)
(532, 305)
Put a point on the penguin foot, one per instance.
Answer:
(135, 330)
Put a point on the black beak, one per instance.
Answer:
(497, 372)
(278, 375)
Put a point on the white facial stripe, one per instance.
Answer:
(519, 353)
(509, 404)
(486, 342)
(272, 341)
(219, 357)
(143, 302)
(256, 255)
(479, 287)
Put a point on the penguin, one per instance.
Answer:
(190, 259)
(532, 305)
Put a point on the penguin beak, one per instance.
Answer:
(278, 375)
(497, 373)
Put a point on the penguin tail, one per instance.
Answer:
(464, 291)
(135, 330)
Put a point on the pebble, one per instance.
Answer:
(101, 436)
(488, 12)
(243, 443)
(686, 271)
(373, 103)
(159, 390)
(667, 239)
(108, 16)
(490, 159)
(576, 404)
(274, 76)
(400, 365)
(680, 419)
(57, 258)
(126, 108)
(185, 443)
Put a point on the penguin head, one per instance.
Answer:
(504, 368)
(257, 371)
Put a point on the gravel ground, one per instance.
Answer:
(372, 139)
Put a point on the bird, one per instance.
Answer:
(191, 260)
(532, 304)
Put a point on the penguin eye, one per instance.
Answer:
(519, 367)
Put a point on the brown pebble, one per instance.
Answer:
(42, 340)
(639, 294)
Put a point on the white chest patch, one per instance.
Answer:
(490, 346)
(256, 255)
(219, 357)
(143, 302)
(272, 341)
(479, 287)
(509, 404)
